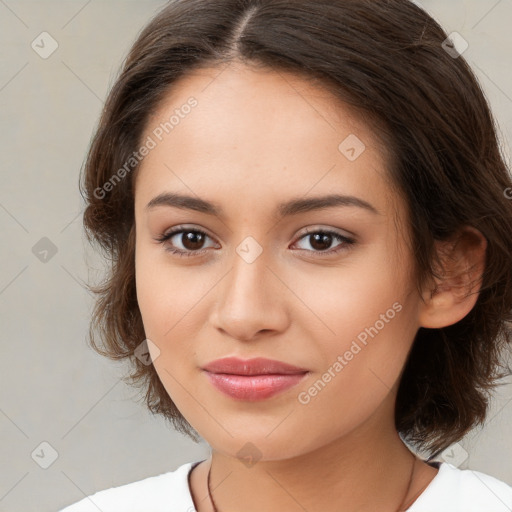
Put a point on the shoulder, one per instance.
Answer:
(464, 490)
(166, 492)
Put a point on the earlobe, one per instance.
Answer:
(449, 299)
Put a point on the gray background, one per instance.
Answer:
(54, 388)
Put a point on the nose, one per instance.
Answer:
(252, 300)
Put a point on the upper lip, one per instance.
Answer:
(256, 366)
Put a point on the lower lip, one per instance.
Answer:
(253, 387)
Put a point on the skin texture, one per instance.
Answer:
(255, 139)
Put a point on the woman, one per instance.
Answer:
(307, 213)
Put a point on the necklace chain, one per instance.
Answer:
(399, 509)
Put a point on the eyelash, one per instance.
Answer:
(346, 245)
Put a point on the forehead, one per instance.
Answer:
(260, 101)
(259, 131)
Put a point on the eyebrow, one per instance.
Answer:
(286, 209)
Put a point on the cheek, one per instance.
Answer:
(368, 322)
(344, 301)
(149, 291)
(165, 293)
(169, 299)
(164, 302)
(359, 366)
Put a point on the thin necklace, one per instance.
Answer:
(399, 509)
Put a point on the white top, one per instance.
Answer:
(451, 490)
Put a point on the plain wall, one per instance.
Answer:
(55, 389)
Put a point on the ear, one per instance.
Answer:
(450, 298)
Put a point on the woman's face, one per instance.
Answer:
(266, 279)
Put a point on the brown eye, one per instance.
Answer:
(184, 242)
(320, 241)
(192, 240)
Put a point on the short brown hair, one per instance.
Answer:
(387, 60)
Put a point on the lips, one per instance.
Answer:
(256, 366)
(252, 379)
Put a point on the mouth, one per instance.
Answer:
(253, 387)
(252, 379)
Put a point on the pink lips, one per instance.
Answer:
(252, 379)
